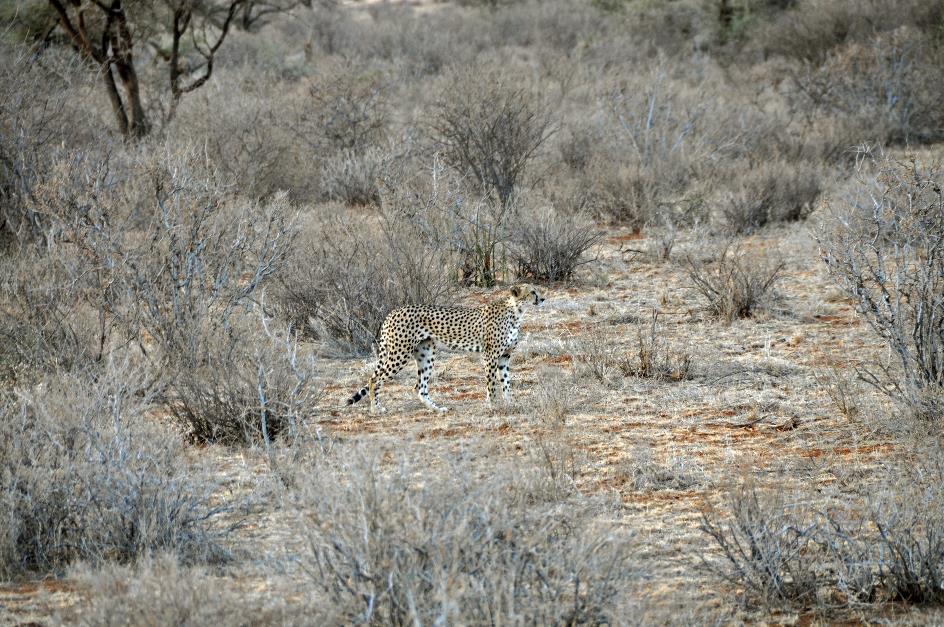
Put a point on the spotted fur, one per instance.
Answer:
(417, 331)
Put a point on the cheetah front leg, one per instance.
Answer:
(501, 374)
(425, 355)
(491, 378)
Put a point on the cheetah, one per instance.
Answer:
(417, 331)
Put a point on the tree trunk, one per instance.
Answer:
(115, 99)
(137, 122)
(122, 44)
(111, 50)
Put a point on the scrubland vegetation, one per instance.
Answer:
(728, 410)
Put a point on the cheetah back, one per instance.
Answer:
(456, 328)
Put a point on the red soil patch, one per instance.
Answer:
(559, 359)
(462, 396)
(836, 321)
(33, 587)
(698, 411)
(845, 450)
(503, 429)
(662, 496)
(626, 237)
(625, 426)
(445, 432)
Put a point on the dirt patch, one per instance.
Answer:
(632, 236)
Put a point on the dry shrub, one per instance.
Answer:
(39, 116)
(418, 48)
(555, 451)
(253, 387)
(888, 86)
(354, 177)
(222, 377)
(552, 26)
(389, 545)
(787, 551)
(479, 230)
(767, 545)
(842, 387)
(488, 127)
(84, 475)
(597, 355)
(644, 473)
(550, 246)
(158, 590)
(326, 136)
(555, 398)
(736, 284)
(171, 262)
(344, 126)
(45, 326)
(346, 110)
(638, 31)
(771, 193)
(908, 514)
(343, 281)
(246, 134)
(617, 190)
(577, 144)
(811, 29)
(600, 356)
(661, 241)
(666, 141)
(654, 359)
(883, 246)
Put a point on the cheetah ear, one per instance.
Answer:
(517, 292)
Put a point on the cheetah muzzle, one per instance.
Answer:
(491, 329)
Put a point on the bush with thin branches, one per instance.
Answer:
(391, 546)
(551, 246)
(884, 246)
(736, 284)
(786, 551)
(171, 262)
(83, 476)
(349, 273)
(766, 545)
(489, 128)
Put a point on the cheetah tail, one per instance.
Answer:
(361, 393)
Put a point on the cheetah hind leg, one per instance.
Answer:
(388, 367)
(425, 355)
(373, 391)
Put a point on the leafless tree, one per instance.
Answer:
(491, 129)
(107, 33)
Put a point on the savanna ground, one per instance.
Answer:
(727, 410)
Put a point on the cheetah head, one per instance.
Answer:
(527, 292)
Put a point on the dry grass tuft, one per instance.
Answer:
(736, 284)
